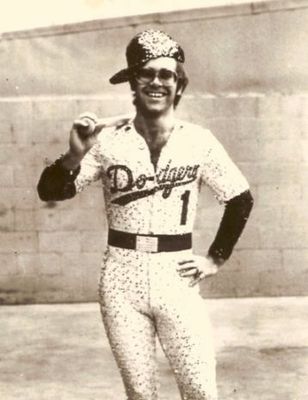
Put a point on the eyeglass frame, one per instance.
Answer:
(155, 74)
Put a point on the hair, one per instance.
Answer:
(182, 82)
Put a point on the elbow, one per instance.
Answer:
(242, 203)
(249, 199)
(247, 204)
(49, 192)
(42, 186)
(42, 192)
(245, 198)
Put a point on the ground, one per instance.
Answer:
(60, 352)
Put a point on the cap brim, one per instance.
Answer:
(121, 76)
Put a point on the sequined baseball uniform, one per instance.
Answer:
(142, 294)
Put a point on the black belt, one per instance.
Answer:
(149, 243)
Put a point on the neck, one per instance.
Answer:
(156, 126)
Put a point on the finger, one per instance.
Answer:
(88, 115)
(80, 122)
(201, 276)
(195, 281)
(198, 278)
(190, 272)
(193, 268)
(86, 130)
(185, 262)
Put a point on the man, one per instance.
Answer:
(152, 167)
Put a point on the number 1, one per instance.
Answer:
(185, 199)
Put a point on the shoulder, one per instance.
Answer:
(197, 134)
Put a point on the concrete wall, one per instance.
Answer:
(248, 83)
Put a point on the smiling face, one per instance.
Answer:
(155, 95)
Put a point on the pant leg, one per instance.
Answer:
(129, 327)
(185, 332)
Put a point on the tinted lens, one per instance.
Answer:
(147, 75)
(166, 75)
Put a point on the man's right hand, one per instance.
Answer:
(84, 134)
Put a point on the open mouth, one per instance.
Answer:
(155, 95)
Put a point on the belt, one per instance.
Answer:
(149, 243)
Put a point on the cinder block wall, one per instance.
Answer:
(50, 252)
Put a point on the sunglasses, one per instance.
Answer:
(147, 75)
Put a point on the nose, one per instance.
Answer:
(156, 81)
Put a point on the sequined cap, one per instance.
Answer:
(145, 46)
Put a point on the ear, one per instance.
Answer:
(182, 83)
(179, 90)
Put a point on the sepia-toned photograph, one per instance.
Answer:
(153, 201)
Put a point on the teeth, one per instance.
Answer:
(154, 94)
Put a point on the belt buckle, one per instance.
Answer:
(147, 244)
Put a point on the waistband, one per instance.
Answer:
(149, 243)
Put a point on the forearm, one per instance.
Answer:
(57, 180)
(234, 219)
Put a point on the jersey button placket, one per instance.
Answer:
(153, 207)
(157, 199)
(147, 170)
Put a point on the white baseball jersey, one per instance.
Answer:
(140, 199)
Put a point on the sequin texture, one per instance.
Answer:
(141, 200)
(158, 44)
(142, 295)
(145, 46)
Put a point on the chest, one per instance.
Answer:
(141, 170)
(155, 147)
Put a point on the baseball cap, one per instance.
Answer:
(145, 46)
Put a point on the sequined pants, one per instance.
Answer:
(142, 296)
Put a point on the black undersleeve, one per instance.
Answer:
(57, 183)
(235, 216)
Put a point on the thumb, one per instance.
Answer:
(85, 127)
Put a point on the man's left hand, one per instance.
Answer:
(198, 268)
